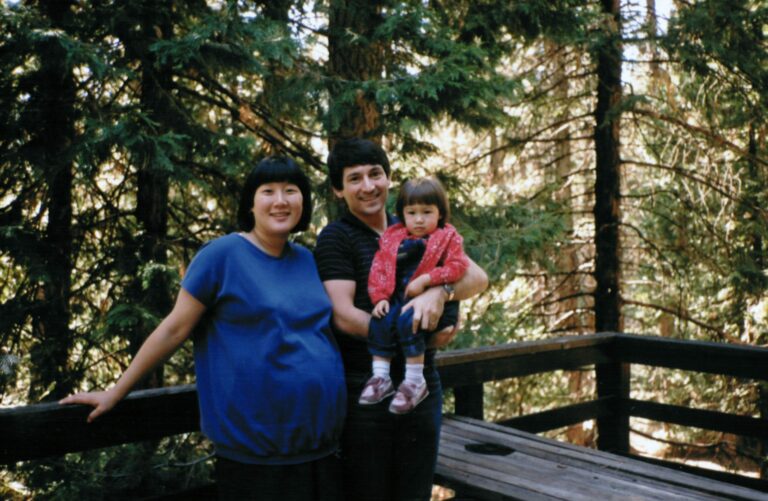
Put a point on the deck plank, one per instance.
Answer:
(568, 453)
(574, 482)
(541, 468)
(536, 476)
(609, 475)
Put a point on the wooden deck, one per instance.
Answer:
(535, 467)
(514, 464)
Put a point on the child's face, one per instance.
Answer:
(421, 219)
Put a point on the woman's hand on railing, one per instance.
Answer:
(101, 401)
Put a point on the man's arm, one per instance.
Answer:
(474, 281)
(428, 307)
(346, 316)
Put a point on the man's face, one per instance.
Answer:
(364, 189)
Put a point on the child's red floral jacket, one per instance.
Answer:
(443, 259)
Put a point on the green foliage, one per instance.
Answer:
(495, 96)
(704, 213)
(730, 34)
(125, 320)
(126, 472)
(437, 68)
(507, 237)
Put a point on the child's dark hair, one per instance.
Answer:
(427, 191)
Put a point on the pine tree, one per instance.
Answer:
(38, 154)
(607, 55)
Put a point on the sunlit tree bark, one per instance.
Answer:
(354, 58)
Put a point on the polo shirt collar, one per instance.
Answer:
(354, 221)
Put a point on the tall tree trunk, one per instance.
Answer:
(50, 378)
(498, 154)
(352, 60)
(566, 319)
(565, 313)
(652, 27)
(607, 179)
(613, 378)
(353, 57)
(271, 99)
(152, 195)
(757, 252)
(152, 179)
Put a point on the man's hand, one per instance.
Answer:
(381, 309)
(417, 286)
(427, 309)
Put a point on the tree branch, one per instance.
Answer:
(701, 131)
(684, 316)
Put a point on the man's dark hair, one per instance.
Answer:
(351, 152)
(274, 169)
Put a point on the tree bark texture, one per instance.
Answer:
(152, 179)
(50, 378)
(758, 255)
(607, 210)
(354, 58)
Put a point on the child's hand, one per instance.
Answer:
(417, 286)
(381, 309)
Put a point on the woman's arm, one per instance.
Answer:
(346, 316)
(161, 344)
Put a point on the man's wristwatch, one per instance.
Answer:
(448, 288)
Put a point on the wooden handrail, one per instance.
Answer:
(735, 360)
(42, 430)
(50, 429)
(474, 366)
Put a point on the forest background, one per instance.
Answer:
(606, 164)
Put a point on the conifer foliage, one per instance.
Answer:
(606, 164)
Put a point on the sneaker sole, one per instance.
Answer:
(400, 413)
(367, 402)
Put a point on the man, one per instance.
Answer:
(385, 456)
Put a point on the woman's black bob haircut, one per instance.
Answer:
(274, 169)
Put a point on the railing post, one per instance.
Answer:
(613, 384)
(469, 400)
(762, 403)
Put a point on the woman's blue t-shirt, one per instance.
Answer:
(270, 380)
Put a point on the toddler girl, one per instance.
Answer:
(421, 251)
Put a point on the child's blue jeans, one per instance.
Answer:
(385, 334)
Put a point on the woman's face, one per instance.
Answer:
(277, 208)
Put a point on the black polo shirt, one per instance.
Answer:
(344, 251)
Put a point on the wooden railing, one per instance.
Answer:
(42, 430)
